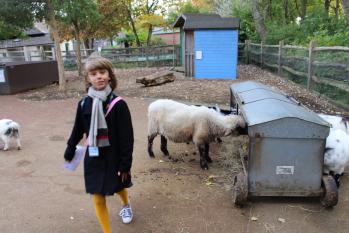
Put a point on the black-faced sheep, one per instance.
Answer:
(178, 122)
(9, 129)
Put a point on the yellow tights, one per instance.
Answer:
(102, 213)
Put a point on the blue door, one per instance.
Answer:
(216, 53)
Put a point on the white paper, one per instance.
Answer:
(198, 55)
(79, 154)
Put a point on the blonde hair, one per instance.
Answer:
(97, 63)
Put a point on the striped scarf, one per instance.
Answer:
(98, 134)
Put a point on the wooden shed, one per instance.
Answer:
(209, 45)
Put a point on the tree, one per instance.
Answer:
(132, 13)
(285, 8)
(327, 4)
(223, 7)
(303, 11)
(79, 16)
(51, 20)
(21, 14)
(113, 17)
(346, 10)
(15, 16)
(181, 8)
(205, 6)
(142, 13)
(258, 19)
(150, 21)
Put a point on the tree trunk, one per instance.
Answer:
(327, 6)
(303, 9)
(133, 27)
(270, 10)
(53, 29)
(88, 43)
(346, 10)
(261, 29)
(92, 40)
(78, 50)
(150, 31)
(285, 5)
(336, 10)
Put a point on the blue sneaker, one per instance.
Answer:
(126, 214)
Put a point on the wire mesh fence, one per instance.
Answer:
(321, 69)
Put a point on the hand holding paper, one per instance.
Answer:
(79, 154)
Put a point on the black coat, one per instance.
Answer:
(101, 172)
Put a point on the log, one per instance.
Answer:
(157, 79)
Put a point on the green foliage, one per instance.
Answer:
(182, 8)
(247, 25)
(289, 33)
(157, 41)
(8, 31)
(129, 38)
(318, 25)
(15, 16)
(80, 15)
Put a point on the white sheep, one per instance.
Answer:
(9, 129)
(337, 122)
(183, 123)
(336, 153)
(337, 146)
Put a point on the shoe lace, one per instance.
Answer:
(125, 212)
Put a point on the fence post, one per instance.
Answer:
(173, 56)
(42, 53)
(281, 45)
(146, 55)
(247, 52)
(261, 54)
(54, 54)
(27, 53)
(312, 46)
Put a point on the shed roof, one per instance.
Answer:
(206, 21)
(30, 41)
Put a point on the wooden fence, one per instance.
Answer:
(323, 69)
(142, 56)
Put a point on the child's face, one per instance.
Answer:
(99, 78)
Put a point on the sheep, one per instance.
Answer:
(336, 153)
(178, 122)
(217, 109)
(9, 129)
(337, 122)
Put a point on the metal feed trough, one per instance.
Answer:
(286, 147)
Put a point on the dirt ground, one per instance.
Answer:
(169, 195)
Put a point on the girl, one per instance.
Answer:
(108, 159)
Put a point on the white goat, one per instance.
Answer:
(183, 123)
(9, 129)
